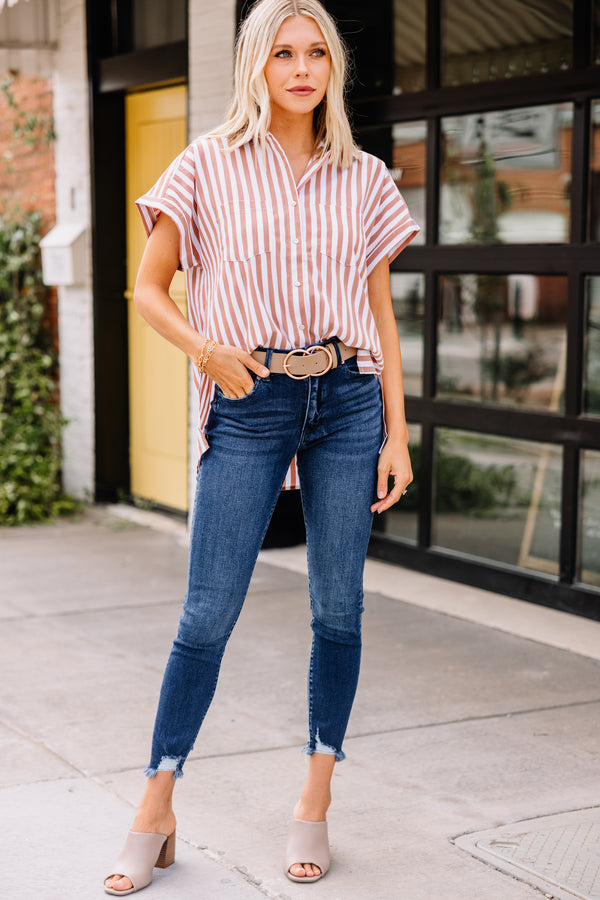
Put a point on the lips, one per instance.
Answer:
(302, 91)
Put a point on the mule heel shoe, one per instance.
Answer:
(307, 844)
(141, 853)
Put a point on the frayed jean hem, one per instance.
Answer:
(317, 746)
(172, 764)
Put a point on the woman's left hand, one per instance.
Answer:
(394, 460)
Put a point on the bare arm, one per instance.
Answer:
(228, 366)
(394, 458)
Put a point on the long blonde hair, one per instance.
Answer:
(250, 111)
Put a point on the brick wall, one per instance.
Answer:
(211, 30)
(27, 169)
(211, 39)
(27, 162)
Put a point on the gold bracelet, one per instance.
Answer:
(206, 352)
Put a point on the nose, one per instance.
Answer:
(302, 68)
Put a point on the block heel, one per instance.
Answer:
(140, 854)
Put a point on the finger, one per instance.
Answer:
(389, 499)
(255, 366)
(384, 504)
(393, 497)
(237, 391)
(382, 482)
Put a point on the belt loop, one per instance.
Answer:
(268, 357)
(340, 361)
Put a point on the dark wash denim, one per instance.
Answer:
(334, 425)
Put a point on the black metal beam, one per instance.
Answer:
(534, 90)
(480, 573)
(534, 259)
(516, 422)
(569, 515)
(157, 65)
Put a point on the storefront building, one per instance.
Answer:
(488, 114)
(490, 117)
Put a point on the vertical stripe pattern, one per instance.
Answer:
(272, 263)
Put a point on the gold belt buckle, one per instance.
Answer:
(308, 352)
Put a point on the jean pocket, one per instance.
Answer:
(350, 367)
(219, 392)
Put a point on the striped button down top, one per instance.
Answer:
(272, 263)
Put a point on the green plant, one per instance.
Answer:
(27, 126)
(30, 419)
(518, 371)
(462, 486)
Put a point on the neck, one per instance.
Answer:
(294, 133)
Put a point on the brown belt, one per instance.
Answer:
(299, 364)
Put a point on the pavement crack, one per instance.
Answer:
(42, 744)
(94, 610)
(482, 718)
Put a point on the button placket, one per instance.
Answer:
(296, 268)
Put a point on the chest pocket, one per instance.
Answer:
(246, 230)
(340, 233)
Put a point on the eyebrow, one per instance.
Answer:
(290, 47)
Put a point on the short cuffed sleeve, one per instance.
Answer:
(175, 195)
(388, 223)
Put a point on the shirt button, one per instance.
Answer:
(296, 241)
(301, 327)
(297, 283)
(293, 203)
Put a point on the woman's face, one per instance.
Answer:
(297, 71)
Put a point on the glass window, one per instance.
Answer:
(591, 371)
(594, 220)
(483, 40)
(408, 299)
(497, 498)
(159, 22)
(408, 169)
(589, 532)
(401, 521)
(409, 46)
(387, 40)
(503, 339)
(505, 176)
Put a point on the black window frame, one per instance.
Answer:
(577, 259)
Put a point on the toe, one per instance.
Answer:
(297, 870)
(304, 870)
(118, 883)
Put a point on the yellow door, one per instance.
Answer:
(156, 132)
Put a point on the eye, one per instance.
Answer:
(283, 54)
(319, 52)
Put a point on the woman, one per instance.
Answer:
(285, 231)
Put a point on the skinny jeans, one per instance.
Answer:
(333, 425)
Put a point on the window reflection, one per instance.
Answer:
(505, 176)
(408, 299)
(589, 541)
(409, 46)
(502, 339)
(591, 372)
(498, 499)
(159, 22)
(483, 40)
(409, 160)
(401, 521)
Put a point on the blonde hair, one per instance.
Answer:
(249, 115)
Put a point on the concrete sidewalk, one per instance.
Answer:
(474, 711)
